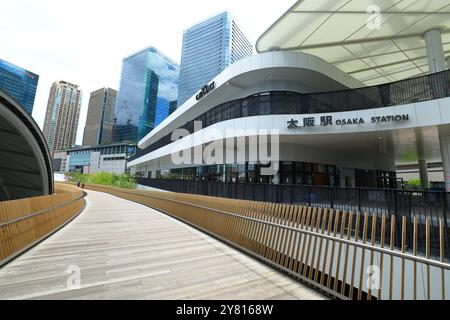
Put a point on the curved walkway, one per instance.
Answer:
(124, 250)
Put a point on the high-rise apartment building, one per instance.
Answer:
(148, 86)
(208, 48)
(100, 117)
(63, 113)
(19, 83)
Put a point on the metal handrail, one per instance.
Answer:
(286, 238)
(312, 233)
(34, 214)
(281, 185)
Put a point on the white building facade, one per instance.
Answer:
(331, 124)
(102, 158)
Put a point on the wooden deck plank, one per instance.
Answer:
(128, 251)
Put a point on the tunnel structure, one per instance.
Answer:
(25, 163)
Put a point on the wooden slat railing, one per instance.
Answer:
(25, 222)
(348, 255)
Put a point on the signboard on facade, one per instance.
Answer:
(205, 90)
(326, 121)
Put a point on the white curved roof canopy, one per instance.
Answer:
(343, 33)
(273, 71)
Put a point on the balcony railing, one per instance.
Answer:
(423, 206)
(343, 253)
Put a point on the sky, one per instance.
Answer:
(84, 41)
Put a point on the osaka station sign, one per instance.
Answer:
(325, 121)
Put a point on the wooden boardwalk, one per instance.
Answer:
(128, 251)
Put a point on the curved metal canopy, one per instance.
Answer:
(373, 44)
(25, 165)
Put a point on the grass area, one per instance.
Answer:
(124, 181)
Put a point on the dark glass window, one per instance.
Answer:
(280, 104)
(245, 110)
(219, 116)
(264, 104)
(226, 111)
(235, 110)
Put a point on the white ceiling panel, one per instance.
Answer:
(337, 31)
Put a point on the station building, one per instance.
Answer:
(346, 96)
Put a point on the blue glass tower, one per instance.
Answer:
(208, 48)
(148, 86)
(19, 83)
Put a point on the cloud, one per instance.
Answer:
(83, 42)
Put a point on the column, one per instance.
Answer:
(276, 178)
(445, 152)
(448, 62)
(423, 171)
(423, 168)
(435, 51)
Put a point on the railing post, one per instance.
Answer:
(331, 198)
(444, 196)
(292, 192)
(358, 197)
(309, 195)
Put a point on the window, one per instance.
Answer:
(264, 104)
(245, 108)
(219, 115)
(235, 110)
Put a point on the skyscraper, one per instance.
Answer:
(61, 118)
(149, 83)
(100, 116)
(19, 83)
(208, 48)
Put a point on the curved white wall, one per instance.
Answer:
(270, 71)
(422, 114)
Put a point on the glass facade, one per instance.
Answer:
(290, 173)
(82, 156)
(19, 83)
(298, 173)
(148, 86)
(99, 122)
(208, 48)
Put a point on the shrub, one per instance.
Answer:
(125, 180)
(414, 182)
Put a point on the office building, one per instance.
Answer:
(208, 48)
(173, 106)
(59, 161)
(148, 85)
(62, 116)
(94, 159)
(19, 83)
(100, 117)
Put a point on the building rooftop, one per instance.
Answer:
(75, 148)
